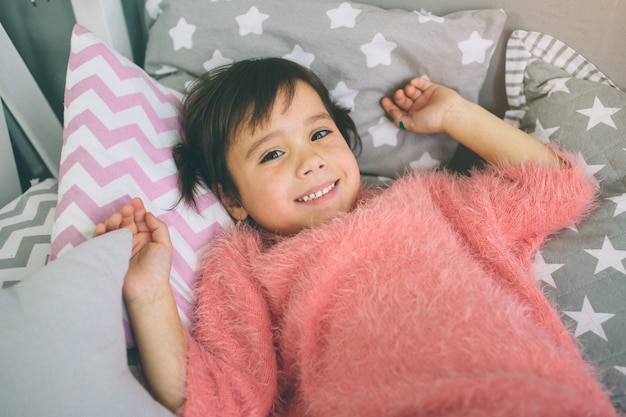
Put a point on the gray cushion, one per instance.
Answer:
(25, 226)
(62, 348)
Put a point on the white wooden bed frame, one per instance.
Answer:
(21, 95)
(24, 99)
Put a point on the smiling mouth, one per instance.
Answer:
(317, 194)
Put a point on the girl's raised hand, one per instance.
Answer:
(151, 257)
(421, 106)
(150, 302)
(425, 107)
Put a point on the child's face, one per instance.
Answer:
(295, 171)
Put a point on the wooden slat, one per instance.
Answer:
(105, 19)
(24, 99)
(10, 184)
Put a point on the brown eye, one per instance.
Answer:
(320, 134)
(271, 155)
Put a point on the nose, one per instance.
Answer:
(309, 162)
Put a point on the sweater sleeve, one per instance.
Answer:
(231, 364)
(524, 204)
(504, 215)
(551, 199)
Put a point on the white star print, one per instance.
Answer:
(344, 96)
(608, 257)
(384, 133)
(554, 85)
(588, 320)
(217, 60)
(620, 200)
(589, 169)
(474, 49)
(543, 270)
(622, 369)
(378, 51)
(182, 34)
(425, 16)
(251, 22)
(343, 16)
(542, 134)
(153, 8)
(298, 55)
(425, 162)
(599, 114)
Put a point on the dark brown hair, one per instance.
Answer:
(222, 101)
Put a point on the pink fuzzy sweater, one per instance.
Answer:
(420, 302)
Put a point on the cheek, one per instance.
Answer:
(241, 173)
(349, 162)
(258, 189)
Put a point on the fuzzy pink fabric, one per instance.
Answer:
(420, 302)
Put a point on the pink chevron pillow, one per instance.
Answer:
(120, 126)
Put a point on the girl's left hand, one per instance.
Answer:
(421, 106)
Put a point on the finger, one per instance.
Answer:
(412, 93)
(139, 214)
(388, 105)
(160, 232)
(392, 109)
(127, 218)
(137, 203)
(399, 116)
(113, 222)
(420, 83)
(99, 230)
(402, 100)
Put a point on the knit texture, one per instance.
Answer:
(420, 302)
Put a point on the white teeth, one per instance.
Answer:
(317, 194)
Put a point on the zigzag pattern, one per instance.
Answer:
(128, 166)
(120, 126)
(25, 226)
(116, 135)
(88, 48)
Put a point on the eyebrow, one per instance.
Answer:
(256, 145)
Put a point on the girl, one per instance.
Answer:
(328, 299)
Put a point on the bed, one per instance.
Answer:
(546, 67)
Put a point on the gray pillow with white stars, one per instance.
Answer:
(361, 52)
(557, 95)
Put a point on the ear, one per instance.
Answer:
(231, 203)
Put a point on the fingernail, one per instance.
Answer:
(401, 125)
